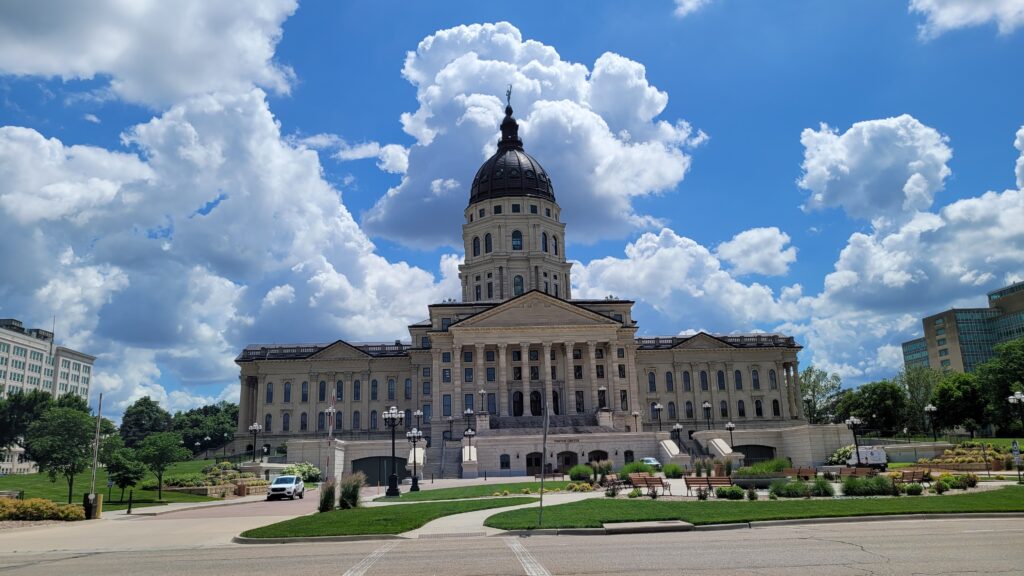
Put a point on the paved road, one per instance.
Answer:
(895, 547)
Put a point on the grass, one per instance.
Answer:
(475, 491)
(594, 512)
(375, 520)
(39, 486)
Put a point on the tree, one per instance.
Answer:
(844, 406)
(108, 447)
(125, 469)
(216, 421)
(160, 450)
(142, 418)
(820, 390)
(999, 377)
(60, 442)
(17, 412)
(918, 383)
(73, 401)
(881, 405)
(959, 401)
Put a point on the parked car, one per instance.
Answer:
(286, 487)
(652, 462)
(871, 457)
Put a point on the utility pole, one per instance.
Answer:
(543, 465)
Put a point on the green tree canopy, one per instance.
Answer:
(959, 401)
(820, 390)
(125, 469)
(60, 442)
(17, 412)
(142, 418)
(918, 383)
(158, 451)
(882, 406)
(216, 421)
(1000, 377)
(73, 401)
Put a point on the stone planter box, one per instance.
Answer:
(962, 467)
(761, 483)
(248, 490)
(211, 491)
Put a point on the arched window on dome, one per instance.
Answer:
(554, 244)
(488, 245)
(517, 240)
(517, 285)
(544, 241)
(476, 246)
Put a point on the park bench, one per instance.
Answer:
(651, 483)
(911, 477)
(550, 476)
(801, 473)
(856, 472)
(613, 480)
(709, 482)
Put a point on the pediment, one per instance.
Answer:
(535, 309)
(702, 341)
(340, 350)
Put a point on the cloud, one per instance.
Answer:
(686, 7)
(941, 16)
(91, 118)
(284, 293)
(595, 130)
(883, 169)
(758, 251)
(156, 53)
(1019, 145)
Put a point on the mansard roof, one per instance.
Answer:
(759, 340)
(255, 352)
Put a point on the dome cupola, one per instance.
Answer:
(511, 171)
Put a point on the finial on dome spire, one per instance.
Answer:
(509, 127)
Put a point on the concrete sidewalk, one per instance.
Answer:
(472, 523)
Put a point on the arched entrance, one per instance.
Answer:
(535, 399)
(567, 460)
(517, 403)
(556, 406)
(377, 469)
(533, 463)
(596, 455)
(754, 453)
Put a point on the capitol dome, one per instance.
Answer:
(511, 171)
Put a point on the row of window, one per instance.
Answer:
(339, 421)
(516, 208)
(339, 390)
(517, 356)
(517, 243)
(723, 410)
(755, 378)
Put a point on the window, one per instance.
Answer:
(339, 391)
(741, 409)
(426, 388)
(427, 411)
(689, 410)
(775, 408)
(723, 409)
(467, 401)
(671, 410)
(408, 388)
(544, 241)
(599, 353)
(446, 357)
(651, 385)
(391, 388)
(940, 342)
(534, 373)
(426, 371)
(268, 420)
(758, 409)
(944, 352)
(303, 422)
(623, 400)
(478, 293)
(517, 240)
(755, 379)
(554, 244)
(670, 381)
(468, 374)
(703, 380)
(476, 246)
(356, 389)
(445, 323)
(504, 462)
(620, 353)
(773, 384)
(287, 392)
(373, 419)
(373, 389)
(946, 363)
(446, 375)
(305, 391)
(600, 370)
(482, 213)
(497, 209)
(579, 402)
(489, 356)
(321, 422)
(446, 405)
(338, 419)
(622, 370)
(408, 419)
(687, 385)
(322, 391)
(492, 403)
(517, 373)
(940, 331)
(516, 208)
(467, 357)
(491, 374)
(533, 208)
(286, 422)
(534, 355)
(721, 380)
(356, 424)
(940, 321)
(577, 372)
(517, 285)
(270, 392)
(738, 377)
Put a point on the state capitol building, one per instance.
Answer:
(516, 343)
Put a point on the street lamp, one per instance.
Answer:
(207, 442)
(730, 427)
(483, 400)
(450, 419)
(414, 436)
(469, 433)
(197, 447)
(1017, 399)
(852, 422)
(636, 416)
(393, 419)
(677, 428)
(418, 414)
(657, 414)
(255, 428)
(330, 412)
(225, 447)
(707, 412)
(930, 411)
(469, 417)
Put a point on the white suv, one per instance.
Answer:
(286, 486)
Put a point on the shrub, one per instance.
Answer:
(326, 497)
(703, 493)
(635, 493)
(525, 491)
(874, 486)
(789, 489)
(697, 468)
(751, 494)
(612, 490)
(305, 470)
(970, 480)
(634, 467)
(1000, 477)
(728, 467)
(673, 470)
(914, 489)
(768, 468)
(708, 467)
(570, 487)
(39, 509)
(939, 487)
(729, 492)
(822, 487)
(581, 487)
(602, 467)
(504, 492)
(772, 496)
(348, 497)
(840, 456)
(581, 472)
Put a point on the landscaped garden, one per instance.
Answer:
(481, 491)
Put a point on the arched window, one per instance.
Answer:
(758, 409)
(287, 391)
(373, 420)
(721, 380)
(517, 240)
(357, 390)
(476, 245)
(738, 377)
(504, 462)
(741, 409)
(303, 422)
(268, 421)
(270, 392)
(355, 420)
(772, 383)
(723, 409)
(554, 244)
(689, 410)
(305, 391)
(671, 410)
(391, 388)
(654, 410)
(517, 285)
(337, 419)
(321, 422)
(373, 389)
(687, 385)
(488, 244)
(544, 241)
(339, 391)
(286, 422)
(408, 419)
(322, 391)
(408, 388)
(776, 409)
(670, 382)
(703, 380)
(755, 379)
(651, 385)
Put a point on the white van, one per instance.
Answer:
(872, 456)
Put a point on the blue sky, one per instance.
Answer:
(178, 183)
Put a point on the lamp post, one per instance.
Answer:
(418, 415)
(330, 412)
(657, 414)
(483, 400)
(852, 422)
(930, 411)
(414, 436)
(730, 427)
(206, 441)
(197, 447)
(707, 412)
(224, 448)
(469, 417)
(636, 417)
(393, 419)
(469, 433)
(255, 429)
(677, 429)
(1017, 399)
(450, 419)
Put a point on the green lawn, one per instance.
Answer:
(594, 512)
(475, 491)
(39, 486)
(376, 520)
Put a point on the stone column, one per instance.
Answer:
(797, 391)
(545, 368)
(632, 384)
(592, 359)
(504, 407)
(782, 393)
(480, 375)
(524, 362)
(570, 384)
(457, 380)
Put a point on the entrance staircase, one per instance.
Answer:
(442, 460)
(522, 425)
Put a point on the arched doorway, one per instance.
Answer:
(517, 403)
(556, 406)
(567, 460)
(754, 453)
(597, 455)
(627, 456)
(533, 463)
(535, 399)
(378, 468)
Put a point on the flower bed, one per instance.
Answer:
(218, 491)
(760, 475)
(39, 509)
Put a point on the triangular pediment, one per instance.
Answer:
(340, 350)
(535, 309)
(702, 341)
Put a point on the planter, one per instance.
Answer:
(762, 482)
(250, 490)
(212, 491)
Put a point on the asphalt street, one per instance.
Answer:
(982, 546)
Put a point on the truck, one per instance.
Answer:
(871, 457)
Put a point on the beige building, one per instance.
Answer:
(518, 342)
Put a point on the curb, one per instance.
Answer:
(160, 510)
(314, 539)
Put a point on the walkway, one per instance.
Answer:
(472, 523)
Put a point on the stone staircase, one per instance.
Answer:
(449, 467)
(574, 424)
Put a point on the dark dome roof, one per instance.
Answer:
(511, 171)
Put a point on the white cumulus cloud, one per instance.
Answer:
(758, 251)
(941, 16)
(686, 7)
